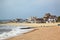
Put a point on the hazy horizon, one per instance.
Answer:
(11, 9)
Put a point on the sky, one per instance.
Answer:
(11, 9)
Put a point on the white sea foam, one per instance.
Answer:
(14, 32)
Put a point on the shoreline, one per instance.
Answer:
(32, 24)
(15, 32)
(43, 33)
(46, 31)
(22, 34)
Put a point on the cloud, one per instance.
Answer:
(42, 2)
(30, 7)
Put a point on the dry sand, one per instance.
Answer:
(32, 24)
(42, 33)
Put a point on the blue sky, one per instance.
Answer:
(10, 9)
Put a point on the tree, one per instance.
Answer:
(58, 19)
(46, 16)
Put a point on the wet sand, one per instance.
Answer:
(41, 33)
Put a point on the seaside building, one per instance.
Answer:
(52, 18)
(39, 20)
(48, 18)
(17, 20)
(31, 20)
(35, 20)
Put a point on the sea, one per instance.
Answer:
(9, 31)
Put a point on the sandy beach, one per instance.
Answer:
(32, 24)
(41, 33)
(46, 32)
